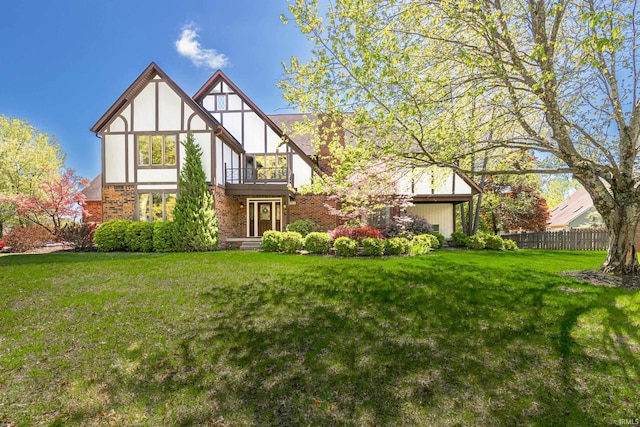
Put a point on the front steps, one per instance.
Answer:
(248, 243)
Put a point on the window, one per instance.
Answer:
(221, 102)
(379, 218)
(271, 166)
(157, 206)
(157, 150)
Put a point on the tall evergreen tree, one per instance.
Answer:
(195, 219)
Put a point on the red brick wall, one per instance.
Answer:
(312, 207)
(118, 202)
(231, 213)
(94, 211)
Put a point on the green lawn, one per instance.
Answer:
(233, 338)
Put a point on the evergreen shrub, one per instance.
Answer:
(317, 243)
(291, 242)
(303, 226)
(396, 246)
(372, 246)
(139, 237)
(271, 240)
(110, 235)
(345, 247)
(164, 236)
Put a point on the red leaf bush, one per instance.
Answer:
(355, 233)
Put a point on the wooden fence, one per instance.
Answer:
(587, 239)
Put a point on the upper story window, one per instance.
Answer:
(157, 150)
(221, 102)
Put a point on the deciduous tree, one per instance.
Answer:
(438, 81)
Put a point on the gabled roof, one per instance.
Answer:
(571, 208)
(138, 84)
(220, 76)
(93, 192)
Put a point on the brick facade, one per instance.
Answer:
(118, 202)
(312, 207)
(231, 213)
(94, 211)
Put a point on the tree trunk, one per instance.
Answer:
(622, 258)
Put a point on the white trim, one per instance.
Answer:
(255, 202)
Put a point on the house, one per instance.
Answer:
(93, 201)
(576, 211)
(252, 166)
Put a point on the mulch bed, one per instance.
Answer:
(598, 278)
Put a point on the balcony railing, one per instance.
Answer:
(257, 175)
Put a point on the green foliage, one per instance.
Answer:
(139, 237)
(291, 242)
(372, 246)
(510, 245)
(110, 235)
(317, 243)
(164, 236)
(194, 217)
(345, 247)
(396, 246)
(303, 226)
(423, 244)
(494, 242)
(459, 239)
(477, 241)
(271, 240)
(440, 238)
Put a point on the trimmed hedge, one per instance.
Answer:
(164, 237)
(110, 236)
(396, 246)
(422, 244)
(510, 245)
(372, 246)
(477, 241)
(345, 247)
(271, 240)
(317, 243)
(139, 236)
(440, 238)
(459, 239)
(291, 242)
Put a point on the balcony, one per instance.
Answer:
(257, 181)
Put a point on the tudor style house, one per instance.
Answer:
(252, 166)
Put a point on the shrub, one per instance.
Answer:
(139, 237)
(271, 240)
(164, 236)
(291, 242)
(477, 241)
(25, 238)
(459, 239)
(494, 242)
(422, 244)
(345, 246)
(303, 226)
(372, 246)
(510, 245)
(396, 246)
(407, 226)
(440, 238)
(193, 214)
(80, 234)
(355, 233)
(110, 236)
(317, 243)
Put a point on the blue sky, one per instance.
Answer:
(64, 62)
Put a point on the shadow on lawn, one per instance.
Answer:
(375, 346)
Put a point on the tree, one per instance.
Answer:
(441, 81)
(59, 198)
(194, 217)
(27, 155)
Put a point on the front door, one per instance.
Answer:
(263, 215)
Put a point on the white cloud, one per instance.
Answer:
(189, 46)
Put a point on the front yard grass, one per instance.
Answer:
(236, 338)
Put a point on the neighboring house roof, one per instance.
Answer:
(145, 77)
(571, 208)
(287, 121)
(93, 192)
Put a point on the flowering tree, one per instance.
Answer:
(60, 198)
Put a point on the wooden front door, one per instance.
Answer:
(263, 215)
